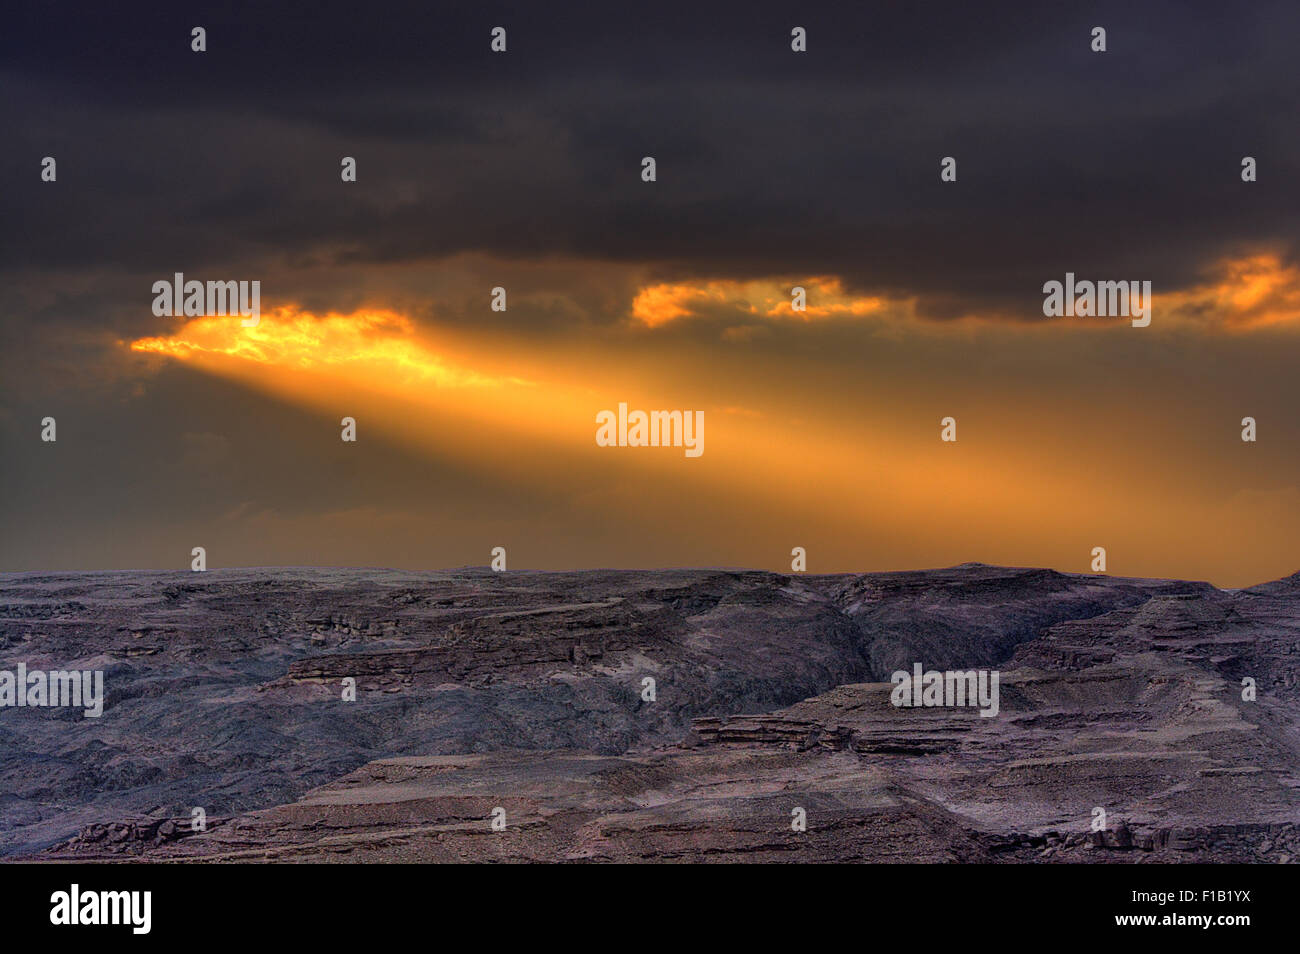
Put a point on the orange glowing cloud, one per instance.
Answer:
(657, 305)
(1242, 293)
(382, 342)
(1255, 291)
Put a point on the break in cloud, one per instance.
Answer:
(522, 170)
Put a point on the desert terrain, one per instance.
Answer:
(520, 698)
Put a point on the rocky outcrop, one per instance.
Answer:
(651, 716)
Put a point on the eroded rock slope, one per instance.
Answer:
(524, 691)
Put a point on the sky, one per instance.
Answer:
(774, 169)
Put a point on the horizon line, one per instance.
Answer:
(484, 568)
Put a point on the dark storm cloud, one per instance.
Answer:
(477, 170)
(1122, 164)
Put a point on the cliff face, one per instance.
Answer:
(524, 691)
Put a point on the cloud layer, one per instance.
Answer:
(522, 170)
